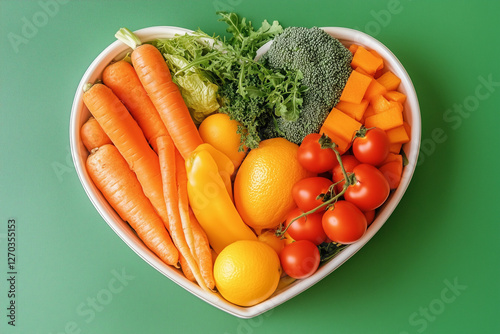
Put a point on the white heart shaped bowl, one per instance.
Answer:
(79, 114)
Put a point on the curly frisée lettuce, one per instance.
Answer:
(199, 93)
(248, 91)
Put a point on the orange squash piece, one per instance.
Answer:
(395, 96)
(355, 110)
(342, 144)
(341, 124)
(389, 80)
(395, 148)
(355, 87)
(398, 135)
(392, 171)
(393, 157)
(366, 60)
(380, 104)
(375, 89)
(385, 120)
(353, 48)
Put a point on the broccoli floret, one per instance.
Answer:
(325, 65)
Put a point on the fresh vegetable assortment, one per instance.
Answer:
(199, 146)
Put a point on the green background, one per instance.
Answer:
(445, 232)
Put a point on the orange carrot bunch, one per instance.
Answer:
(137, 136)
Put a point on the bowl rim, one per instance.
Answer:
(78, 153)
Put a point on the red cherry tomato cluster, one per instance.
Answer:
(337, 205)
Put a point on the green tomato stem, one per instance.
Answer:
(349, 180)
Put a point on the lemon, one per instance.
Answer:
(247, 272)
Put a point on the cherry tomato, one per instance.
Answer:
(314, 158)
(306, 228)
(300, 259)
(345, 223)
(349, 162)
(306, 191)
(370, 190)
(372, 147)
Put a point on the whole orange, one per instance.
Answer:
(263, 184)
(220, 131)
(247, 272)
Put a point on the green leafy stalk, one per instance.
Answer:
(128, 37)
(248, 91)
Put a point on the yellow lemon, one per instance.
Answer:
(263, 184)
(220, 131)
(247, 272)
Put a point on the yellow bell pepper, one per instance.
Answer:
(224, 164)
(211, 202)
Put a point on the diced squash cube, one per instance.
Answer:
(395, 96)
(392, 171)
(355, 110)
(362, 71)
(395, 148)
(353, 48)
(368, 112)
(393, 157)
(375, 53)
(380, 104)
(342, 144)
(385, 120)
(375, 89)
(366, 60)
(341, 124)
(355, 87)
(398, 135)
(407, 128)
(397, 105)
(389, 80)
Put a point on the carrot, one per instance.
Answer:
(188, 273)
(129, 139)
(154, 74)
(202, 251)
(119, 185)
(124, 82)
(92, 134)
(167, 155)
(196, 238)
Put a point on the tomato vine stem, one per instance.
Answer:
(349, 180)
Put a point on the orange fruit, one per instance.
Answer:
(270, 238)
(263, 184)
(247, 272)
(220, 131)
